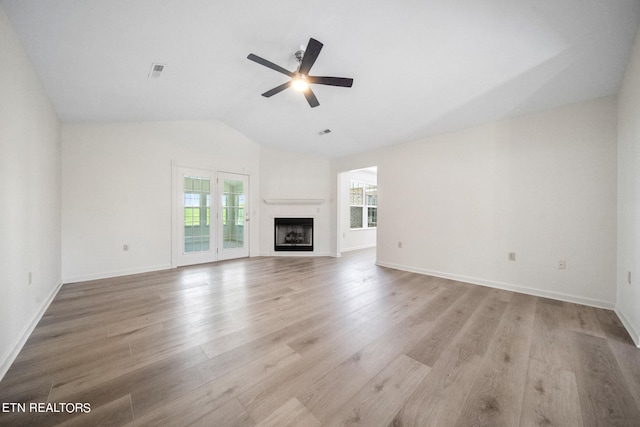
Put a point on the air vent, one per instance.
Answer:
(156, 70)
(324, 132)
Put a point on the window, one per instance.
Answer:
(363, 200)
(197, 214)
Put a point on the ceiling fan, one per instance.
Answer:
(300, 79)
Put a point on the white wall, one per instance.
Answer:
(628, 306)
(288, 175)
(116, 189)
(353, 239)
(29, 197)
(542, 185)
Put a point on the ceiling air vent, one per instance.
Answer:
(156, 70)
(324, 132)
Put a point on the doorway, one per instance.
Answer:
(357, 209)
(210, 216)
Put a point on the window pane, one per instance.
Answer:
(188, 183)
(191, 216)
(188, 244)
(356, 217)
(372, 217)
(195, 216)
(372, 195)
(356, 193)
(240, 216)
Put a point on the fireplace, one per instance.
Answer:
(293, 234)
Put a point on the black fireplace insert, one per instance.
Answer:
(293, 234)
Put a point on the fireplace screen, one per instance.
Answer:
(293, 234)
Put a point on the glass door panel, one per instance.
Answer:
(233, 218)
(197, 214)
(233, 214)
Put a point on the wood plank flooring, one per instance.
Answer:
(319, 342)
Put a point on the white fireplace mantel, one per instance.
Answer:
(294, 201)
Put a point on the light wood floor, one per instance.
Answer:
(321, 342)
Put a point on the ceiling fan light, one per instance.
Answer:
(300, 84)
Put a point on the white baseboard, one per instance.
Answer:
(118, 273)
(506, 286)
(356, 248)
(635, 336)
(299, 254)
(10, 356)
(261, 254)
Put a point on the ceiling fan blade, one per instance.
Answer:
(331, 81)
(276, 89)
(311, 98)
(269, 64)
(310, 55)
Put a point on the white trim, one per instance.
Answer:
(10, 356)
(635, 336)
(506, 286)
(301, 254)
(260, 254)
(294, 201)
(297, 254)
(356, 248)
(118, 273)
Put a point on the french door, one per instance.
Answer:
(233, 215)
(194, 226)
(211, 216)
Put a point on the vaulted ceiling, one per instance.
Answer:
(420, 67)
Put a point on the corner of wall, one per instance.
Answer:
(633, 333)
(30, 248)
(10, 355)
(628, 192)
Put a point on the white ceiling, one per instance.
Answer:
(420, 67)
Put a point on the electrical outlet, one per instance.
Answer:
(511, 256)
(400, 245)
(562, 264)
(628, 277)
(125, 247)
